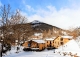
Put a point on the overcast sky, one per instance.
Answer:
(61, 13)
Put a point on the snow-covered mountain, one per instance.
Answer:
(41, 26)
(35, 22)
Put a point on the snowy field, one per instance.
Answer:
(45, 53)
(68, 50)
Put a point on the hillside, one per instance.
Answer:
(23, 32)
(47, 29)
(40, 26)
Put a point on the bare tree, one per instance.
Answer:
(73, 32)
(13, 25)
(4, 14)
(17, 18)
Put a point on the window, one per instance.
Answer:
(29, 45)
(47, 45)
(61, 43)
(61, 39)
(37, 46)
(50, 42)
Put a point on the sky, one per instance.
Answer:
(64, 14)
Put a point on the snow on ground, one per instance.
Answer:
(45, 53)
(78, 40)
(71, 46)
(38, 34)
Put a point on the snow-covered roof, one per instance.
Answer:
(39, 41)
(67, 36)
(26, 41)
(50, 38)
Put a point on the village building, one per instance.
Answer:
(49, 42)
(35, 44)
(25, 44)
(61, 40)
